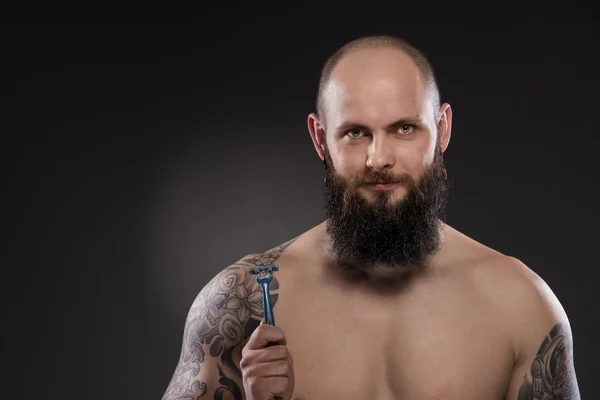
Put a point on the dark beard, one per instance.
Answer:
(364, 234)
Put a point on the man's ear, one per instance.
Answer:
(317, 134)
(445, 126)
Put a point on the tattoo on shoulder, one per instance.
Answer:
(223, 316)
(552, 370)
(269, 256)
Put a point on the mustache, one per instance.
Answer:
(383, 178)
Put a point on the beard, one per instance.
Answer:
(365, 234)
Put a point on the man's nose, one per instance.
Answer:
(380, 154)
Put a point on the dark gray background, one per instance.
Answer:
(144, 158)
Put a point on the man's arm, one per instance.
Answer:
(221, 319)
(552, 373)
(544, 368)
(214, 327)
(219, 323)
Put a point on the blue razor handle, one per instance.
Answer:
(264, 276)
(264, 282)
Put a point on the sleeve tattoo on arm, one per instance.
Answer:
(224, 314)
(552, 371)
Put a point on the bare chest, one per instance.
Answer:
(355, 348)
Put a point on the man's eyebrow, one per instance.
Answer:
(407, 120)
(416, 120)
(352, 125)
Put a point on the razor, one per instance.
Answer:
(264, 276)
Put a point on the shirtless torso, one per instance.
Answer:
(468, 327)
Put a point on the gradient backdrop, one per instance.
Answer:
(143, 159)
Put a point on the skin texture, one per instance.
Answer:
(474, 324)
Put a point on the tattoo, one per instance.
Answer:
(269, 256)
(552, 371)
(224, 315)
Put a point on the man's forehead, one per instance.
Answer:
(375, 79)
(344, 95)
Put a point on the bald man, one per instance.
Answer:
(382, 300)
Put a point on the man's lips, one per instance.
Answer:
(382, 186)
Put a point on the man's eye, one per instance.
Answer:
(354, 133)
(405, 129)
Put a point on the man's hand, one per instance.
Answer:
(267, 368)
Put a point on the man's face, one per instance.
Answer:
(385, 189)
(380, 122)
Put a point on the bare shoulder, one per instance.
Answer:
(503, 278)
(532, 316)
(520, 294)
(540, 331)
(516, 289)
(221, 319)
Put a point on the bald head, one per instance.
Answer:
(372, 60)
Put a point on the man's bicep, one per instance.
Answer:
(220, 319)
(543, 343)
(551, 373)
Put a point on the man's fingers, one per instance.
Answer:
(265, 334)
(275, 386)
(273, 353)
(267, 370)
(271, 369)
